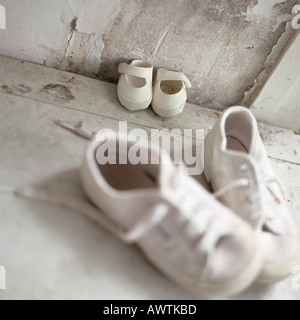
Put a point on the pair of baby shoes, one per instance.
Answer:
(214, 244)
(168, 95)
(209, 244)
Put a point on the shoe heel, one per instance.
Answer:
(207, 159)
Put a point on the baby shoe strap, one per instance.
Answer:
(166, 74)
(136, 71)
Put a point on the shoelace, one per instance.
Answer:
(260, 216)
(199, 226)
(148, 223)
(245, 183)
(195, 229)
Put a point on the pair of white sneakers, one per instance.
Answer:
(168, 95)
(204, 245)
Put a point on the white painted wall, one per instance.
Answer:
(40, 31)
(279, 101)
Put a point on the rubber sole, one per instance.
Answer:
(168, 113)
(133, 106)
(275, 272)
(232, 286)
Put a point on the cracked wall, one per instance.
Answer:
(63, 34)
(226, 48)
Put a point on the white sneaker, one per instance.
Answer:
(135, 85)
(238, 168)
(169, 92)
(179, 226)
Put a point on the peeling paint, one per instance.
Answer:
(58, 93)
(85, 45)
(261, 11)
(73, 24)
(70, 37)
(228, 14)
(93, 62)
(281, 19)
(83, 54)
(62, 34)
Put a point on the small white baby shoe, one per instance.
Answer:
(237, 165)
(135, 85)
(192, 238)
(169, 92)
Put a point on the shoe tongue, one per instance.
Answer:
(258, 154)
(256, 149)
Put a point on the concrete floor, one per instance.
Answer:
(54, 253)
